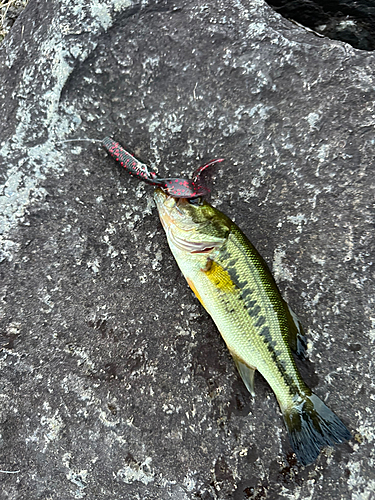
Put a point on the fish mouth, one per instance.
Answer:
(168, 206)
(160, 197)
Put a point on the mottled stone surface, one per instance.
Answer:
(114, 381)
(9, 11)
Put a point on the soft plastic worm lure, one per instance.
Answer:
(179, 188)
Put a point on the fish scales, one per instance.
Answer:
(251, 318)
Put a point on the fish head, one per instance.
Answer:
(192, 225)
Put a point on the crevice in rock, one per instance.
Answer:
(351, 21)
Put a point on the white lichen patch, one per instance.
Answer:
(298, 220)
(22, 186)
(53, 426)
(49, 431)
(322, 155)
(279, 269)
(361, 486)
(318, 260)
(365, 425)
(137, 472)
(101, 11)
(169, 408)
(189, 482)
(82, 355)
(105, 418)
(349, 243)
(72, 383)
(156, 262)
(313, 119)
(78, 478)
(371, 331)
(94, 265)
(112, 251)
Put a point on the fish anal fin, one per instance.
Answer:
(246, 371)
(297, 338)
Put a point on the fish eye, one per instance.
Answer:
(197, 201)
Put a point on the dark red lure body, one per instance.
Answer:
(179, 188)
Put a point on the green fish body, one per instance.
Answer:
(235, 286)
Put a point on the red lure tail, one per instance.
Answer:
(126, 160)
(179, 188)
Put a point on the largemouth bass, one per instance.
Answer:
(235, 286)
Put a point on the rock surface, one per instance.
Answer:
(9, 11)
(114, 381)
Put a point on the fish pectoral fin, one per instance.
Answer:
(247, 373)
(219, 277)
(297, 337)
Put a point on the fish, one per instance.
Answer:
(235, 286)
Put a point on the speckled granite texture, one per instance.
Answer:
(114, 381)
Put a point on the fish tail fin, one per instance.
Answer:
(311, 426)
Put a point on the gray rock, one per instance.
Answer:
(9, 11)
(115, 382)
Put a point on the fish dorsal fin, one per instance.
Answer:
(297, 338)
(247, 373)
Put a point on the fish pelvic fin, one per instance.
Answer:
(247, 373)
(311, 426)
(196, 293)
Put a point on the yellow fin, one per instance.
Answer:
(191, 284)
(220, 277)
(247, 373)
